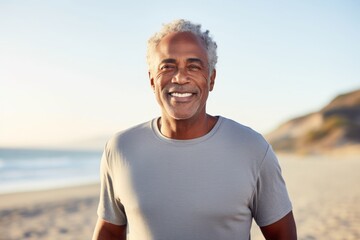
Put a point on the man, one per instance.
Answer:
(188, 175)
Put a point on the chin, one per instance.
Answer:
(182, 116)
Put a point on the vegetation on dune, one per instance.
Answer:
(340, 126)
(330, 125)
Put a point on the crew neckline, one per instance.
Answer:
(203, 138)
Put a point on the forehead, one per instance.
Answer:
(181, 45)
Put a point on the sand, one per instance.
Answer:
(68, 213)
(325, 193)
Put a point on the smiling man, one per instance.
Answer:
(181, 79)
(187, 175)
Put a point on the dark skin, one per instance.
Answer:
(181, 67)
(181, 81)
(284, 229)
(108, 231)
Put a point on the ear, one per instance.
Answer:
(212, 80)
(151, 81)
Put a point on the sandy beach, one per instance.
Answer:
(325, 193)
(68, 213)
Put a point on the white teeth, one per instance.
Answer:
(176, 94)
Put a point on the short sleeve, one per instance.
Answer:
(270, 200)
(110, 208)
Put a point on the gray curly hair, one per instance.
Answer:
(182, 25)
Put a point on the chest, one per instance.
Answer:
(191, 186)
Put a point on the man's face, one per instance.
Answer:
(180, 76)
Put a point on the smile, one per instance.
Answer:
(181, 95)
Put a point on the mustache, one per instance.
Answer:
(182, 89)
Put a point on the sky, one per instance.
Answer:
(73, 72)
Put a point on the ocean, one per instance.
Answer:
(38, 169)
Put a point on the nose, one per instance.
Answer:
(181, 76)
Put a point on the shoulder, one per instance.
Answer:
(130, 136)
(239, 132)
(243, 141)
(126, 142)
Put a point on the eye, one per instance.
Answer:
(167, 67)
(193, 67)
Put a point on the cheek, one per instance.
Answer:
(158, 87)
(161, 81)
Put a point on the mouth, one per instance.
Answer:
(181, 95)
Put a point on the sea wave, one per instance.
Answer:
(34, 170)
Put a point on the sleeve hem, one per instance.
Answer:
(275, 218)
(113, 221)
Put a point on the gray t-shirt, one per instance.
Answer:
(208, 188)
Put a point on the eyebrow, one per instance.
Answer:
(189, 60)
(168, 60)
(198, 60)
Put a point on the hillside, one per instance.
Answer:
(334, 128)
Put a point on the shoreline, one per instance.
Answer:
(28, 198)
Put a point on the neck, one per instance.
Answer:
(186, 129)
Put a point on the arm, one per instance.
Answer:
(284, 229)
(108, 231)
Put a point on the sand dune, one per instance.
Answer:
(324, 190)
(334, 128)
